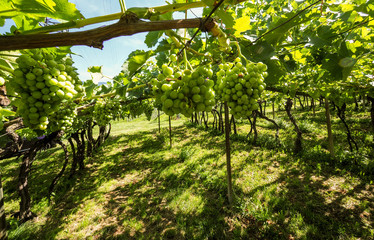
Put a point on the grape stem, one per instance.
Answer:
(235, 43)
(178, 44)
(123, 6)
(113, 94)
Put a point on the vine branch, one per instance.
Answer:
(202, 26)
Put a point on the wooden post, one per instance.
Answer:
(329, 131)
(3, 228)
(273, 111)
(170, 131)
(159, 123)
(228, 154)
(363, 101)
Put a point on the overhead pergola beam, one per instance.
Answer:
(95, 38)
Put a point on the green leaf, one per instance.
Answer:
(152, 38)
(137, 93)
(95, 69)
(318, 42)
(6, 112)
(226, 17)
(208, 2)
(135, 60)
(242, 24)
(261, 51)
(125, 81)
(56, 9)
(161, 59)
(89, 88)
(121, 91)
(7, 10)
(281, 27)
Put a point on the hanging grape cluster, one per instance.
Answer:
(64, 118)
(241, 86)
(42, 82)
(135, 109)
(105, 110)
(184, 92)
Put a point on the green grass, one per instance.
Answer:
(136, 187)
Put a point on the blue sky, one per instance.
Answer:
(116, 50)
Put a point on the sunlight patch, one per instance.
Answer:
(187, 203)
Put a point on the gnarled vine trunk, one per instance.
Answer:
(74, 163)
(372, 111)
(216, 118)
(90, 139)
(3, 226)
(25, 213)
(341, 115)
(101, 137)
(270, 120)
(54, 181)
(15, 143)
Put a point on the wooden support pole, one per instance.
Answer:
(329, 129)
(159, 123)
(170, 131)
(228, 154)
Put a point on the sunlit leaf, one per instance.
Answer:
(241, 25)
(95, 69)
(226, 17)
(135, 60)
(152, 38)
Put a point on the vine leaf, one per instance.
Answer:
(96, 73)
(56, 9)
(226, 17)
(27, 14)
(95, 69)
(152, 38)
(121, 91)
(135, 60)
(89, 88)
(6, 112)
(209, 2)
(241, 25)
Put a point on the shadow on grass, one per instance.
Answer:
(180, 193)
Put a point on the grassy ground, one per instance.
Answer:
(136, 187)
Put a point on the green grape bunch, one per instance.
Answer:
(184, 91)
(64, 118)
(42, 81)
(147, 109)
(105, 110)
(241, 86)
(135, 109)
